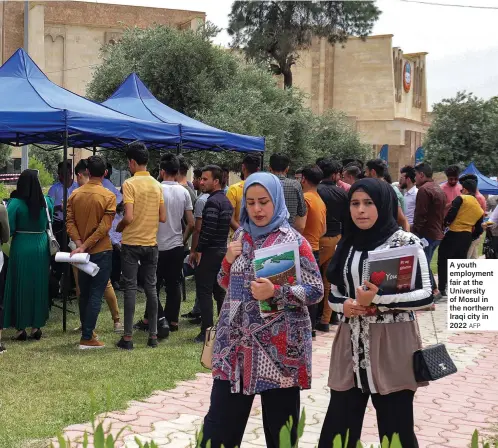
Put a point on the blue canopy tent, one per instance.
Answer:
(484, 184)
(34, 110)
(133, 98)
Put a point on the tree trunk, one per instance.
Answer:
(287, 72)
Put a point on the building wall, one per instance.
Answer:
(364, 79)
(85, 18)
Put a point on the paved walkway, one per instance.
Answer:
(446, 413)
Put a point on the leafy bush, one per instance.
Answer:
(46, 179)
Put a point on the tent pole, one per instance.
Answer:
(65, 273)
(262, 161)
(94, 150)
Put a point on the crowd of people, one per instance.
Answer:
(151, 233)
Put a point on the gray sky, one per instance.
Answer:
(461, 42)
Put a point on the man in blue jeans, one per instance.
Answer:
(90, 212)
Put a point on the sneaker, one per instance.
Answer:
(125, 345)
(191, 315)
(200, 338)
(87, 344)
(152, 342)
(3, 349)
(322, 327)
(141, 325)
(118, 327)
(95, 336)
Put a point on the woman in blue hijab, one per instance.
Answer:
(263, 337)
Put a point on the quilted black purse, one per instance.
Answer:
(433, 362)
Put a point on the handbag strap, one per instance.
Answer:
(48, 216)
(433, 325)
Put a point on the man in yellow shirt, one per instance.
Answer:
(250, 164)
(144, 209)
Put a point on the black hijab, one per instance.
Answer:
(385, 200)
(30, 191)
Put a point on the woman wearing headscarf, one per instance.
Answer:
(270, 356)
(372, 354)
(26, 291)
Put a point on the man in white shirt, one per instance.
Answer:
(407, 183)
(170, 241)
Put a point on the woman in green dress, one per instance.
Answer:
(26, 301)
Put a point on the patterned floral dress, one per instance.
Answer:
(258, 353)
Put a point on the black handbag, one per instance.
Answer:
(433, 362)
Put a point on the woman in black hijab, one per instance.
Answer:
(26, 291)
(373, 349)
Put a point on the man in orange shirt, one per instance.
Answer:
(315, 219)
(90, 212)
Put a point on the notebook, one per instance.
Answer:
(279, 264)
(393, 270)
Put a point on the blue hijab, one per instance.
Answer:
(276, 192)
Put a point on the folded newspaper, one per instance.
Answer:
(279, 264)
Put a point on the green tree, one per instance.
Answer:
(49, 158)
(275, 31)
(464, 130)
(233, 95)
(46, 179)
(5, 153)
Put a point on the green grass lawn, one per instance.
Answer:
(46, 385)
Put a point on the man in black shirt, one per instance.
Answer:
(211, 247)
(336, 201)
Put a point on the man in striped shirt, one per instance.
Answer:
(210, 249)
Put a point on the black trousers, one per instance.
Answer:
(313, 309)
(169, 275)
(228, 413)
(206, 285)
(455, 245)
(116, 265)
(347, 410)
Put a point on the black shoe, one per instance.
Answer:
(334, 320)
(163, 330)
(36, 336)
(141, 325)
(191, 315)
(125, 345)
(173, 327)
(3, 349)
(200, 338)
(322, 327)
(195, 321)
(152, 342)
(20, 337)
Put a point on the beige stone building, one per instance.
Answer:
(374, 83)
(65, 37)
